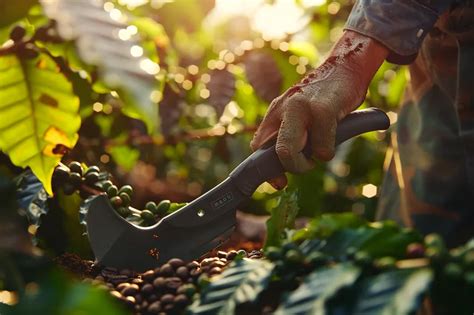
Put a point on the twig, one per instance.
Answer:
(191, 135)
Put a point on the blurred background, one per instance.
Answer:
(216, 66)
(222, 62)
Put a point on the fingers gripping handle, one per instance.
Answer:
(264, 164)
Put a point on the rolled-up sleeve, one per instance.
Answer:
(401, 25)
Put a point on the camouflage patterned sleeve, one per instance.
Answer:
(401, 25)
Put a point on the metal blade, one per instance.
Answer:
(187, 234)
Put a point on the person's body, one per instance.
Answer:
(430, 168)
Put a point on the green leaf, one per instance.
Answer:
(317, 288)
(386, 240)
(39, 114)
(281, 217)
(393, 293)
(32, 198)
(327, 224)
(58, 294)
(14, 10)
(241, 282)
(109, 44)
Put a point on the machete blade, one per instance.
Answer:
(188, 233)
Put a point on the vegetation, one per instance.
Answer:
(152, 101)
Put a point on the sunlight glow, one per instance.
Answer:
(136, 51)
(8, 297)
(156, 96)
(123, 34)
(204, 93)
(116, 15)
(369, 190)
(132, 4)
(313, 3)
(277, 20)
(149, 66)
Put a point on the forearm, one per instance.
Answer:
(359, 52)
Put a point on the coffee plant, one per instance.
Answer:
(152, 103)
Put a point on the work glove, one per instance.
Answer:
(312, 108)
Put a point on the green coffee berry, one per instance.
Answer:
(76, 167)
(91, 178)
(151, 206)
(147, 215)
(112, 191)
(126, 189)
(61, 172)
(116, 201)
(93, 169)
(125, 198)
(106, 185)
(163, 207)
(124, 211)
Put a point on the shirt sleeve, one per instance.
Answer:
(401, 25)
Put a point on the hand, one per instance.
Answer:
(312, 108)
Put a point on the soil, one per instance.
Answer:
(167, 289)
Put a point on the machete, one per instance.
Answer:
(206, 222)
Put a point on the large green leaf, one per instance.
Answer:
(282, 217)
(103, 39)
(241, 283)
(398, 292)
(383, 240)
(317, 288)
(39, 114)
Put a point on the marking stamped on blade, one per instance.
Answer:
(225, 199)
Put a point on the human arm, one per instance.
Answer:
(312, 108)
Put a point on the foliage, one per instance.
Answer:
(211, 72)
(30, 278)
(39, 111)
(165, 95)
(318, 287)
(281, 217)
(361, 268)
(395, 292)
(241, 283)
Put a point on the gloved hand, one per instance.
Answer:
(312, 108)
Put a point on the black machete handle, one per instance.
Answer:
(263, 164)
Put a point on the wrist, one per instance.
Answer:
(360, 54)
